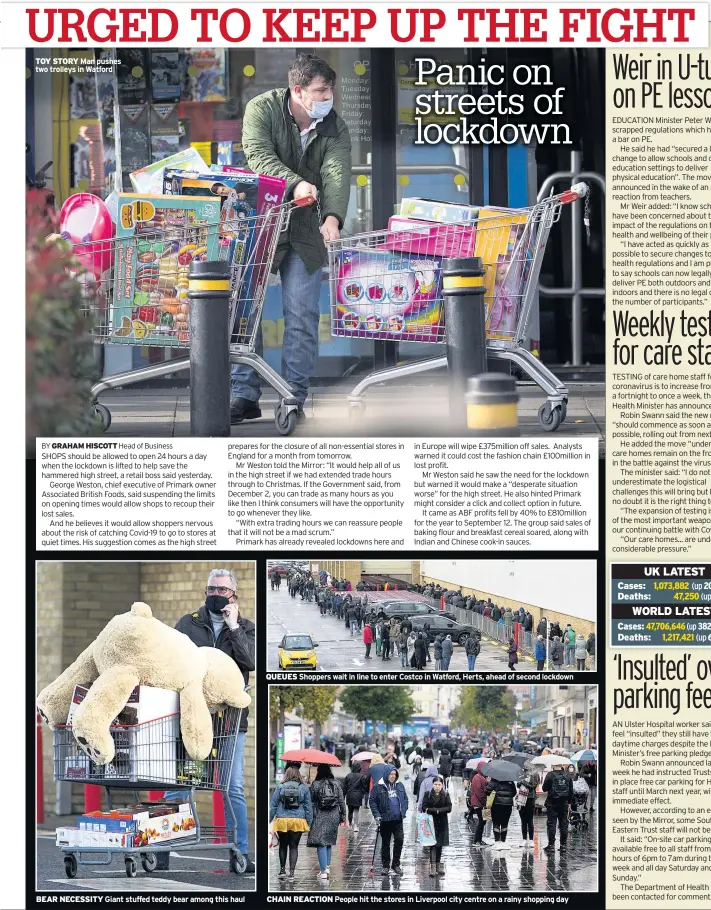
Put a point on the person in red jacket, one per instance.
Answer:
(477, 801)
(367, 640)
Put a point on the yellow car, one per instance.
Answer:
(297, 651)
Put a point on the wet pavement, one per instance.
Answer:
(467, 869)
(338, 650)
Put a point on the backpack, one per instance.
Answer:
(327, 797)
(559, 787)
(290, 795)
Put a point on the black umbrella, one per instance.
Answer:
(501, 770)
(516, 758)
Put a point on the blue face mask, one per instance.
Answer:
(320, 108)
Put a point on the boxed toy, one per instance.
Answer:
(433, 210)
(388, 295)
(501, 242)
(427, 239)
(167, 827)
(237, 195)
(157, 237)
(270, 189)
(149, 179)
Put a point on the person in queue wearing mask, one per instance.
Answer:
(219, 624)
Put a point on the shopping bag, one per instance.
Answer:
(425, 830)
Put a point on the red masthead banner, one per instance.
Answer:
(378, 25)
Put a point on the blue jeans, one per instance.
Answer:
(403, 656)
(471, 660)
(300, 303)
(235, 795)
(569, 655)
(324, 857)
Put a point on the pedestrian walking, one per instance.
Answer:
(477, 803)
(437, 651)
(379, 637)
(501, 808)
(472, 649)
(540, 653)
(290, 814)
(445, 766)
(581, 652)
(512, 655)
(367, 640)
(447, 651)
(388, 803)
(329, 808)
(557, 653)
(355, 787)
(588, 772)
(429, 774)
(569, 639)
(438, 804)
(526, 802)
(559, 787)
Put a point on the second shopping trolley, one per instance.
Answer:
(386, 285)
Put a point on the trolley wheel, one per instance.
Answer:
(131, 867)
(284, 420)
(237, 862)
(564, 409)
(356, 411)
(550, 418)
(149, 861)
(104, 415)
(70, 865)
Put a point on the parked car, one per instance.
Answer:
(459, 632)
(297, 651)
(403, 608)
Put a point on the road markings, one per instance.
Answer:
(149, 883)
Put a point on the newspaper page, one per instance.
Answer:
(360, 336)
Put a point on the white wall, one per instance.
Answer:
(565, 585)
(398, 567)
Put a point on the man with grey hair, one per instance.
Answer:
(219, 624)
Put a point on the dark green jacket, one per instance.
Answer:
(272, 145)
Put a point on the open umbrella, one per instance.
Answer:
(310, 757)
(501, 770)
(366, 756)
(550, 761)
(585, 755)
(516, 758)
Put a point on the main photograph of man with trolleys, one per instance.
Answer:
(146, 759)
(386, 270)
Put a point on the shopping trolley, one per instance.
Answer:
(387, 285)
(151, 756)
(136, 292)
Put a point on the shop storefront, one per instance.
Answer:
(159, 101)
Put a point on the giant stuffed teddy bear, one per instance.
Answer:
(136, 649)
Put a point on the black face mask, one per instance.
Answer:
(216, 603)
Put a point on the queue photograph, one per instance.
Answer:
(456, 788)
(473, 615)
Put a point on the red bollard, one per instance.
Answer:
(40, 772)
(218, 812)
(441, 602)
(92, 798)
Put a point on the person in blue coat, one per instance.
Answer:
(290, 814)
(541, 652)
(388, 803)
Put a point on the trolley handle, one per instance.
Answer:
(304, 200)
(577, 191)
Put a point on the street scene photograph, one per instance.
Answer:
(467, 615)
(453, 789)
(139, 785)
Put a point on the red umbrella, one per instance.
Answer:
(311, 757)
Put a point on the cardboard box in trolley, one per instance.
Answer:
(164, 827)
